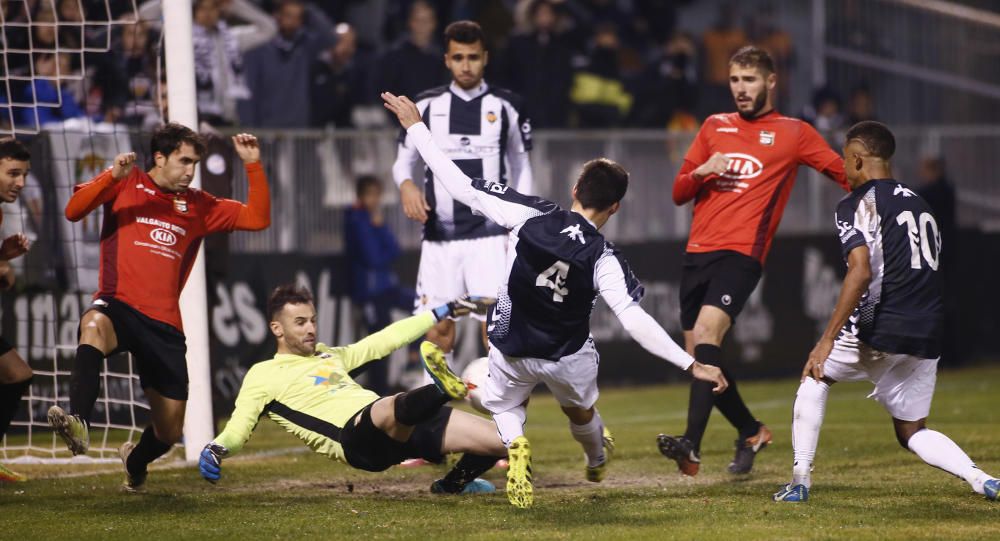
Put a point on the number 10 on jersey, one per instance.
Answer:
(920, 242)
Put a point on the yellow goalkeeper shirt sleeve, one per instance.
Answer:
(313, 397)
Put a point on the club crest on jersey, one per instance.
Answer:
(491, 117)
(766, 138)
(180, 205)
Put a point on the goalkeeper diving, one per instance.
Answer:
(308, 390)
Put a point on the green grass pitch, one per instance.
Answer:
(865, 485)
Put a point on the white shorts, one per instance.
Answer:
(904, 384)
(572, 380)
(450, 269)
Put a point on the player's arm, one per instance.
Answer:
(519, 145)
(699, 165)
(12, 247)
(622, 291)
(412, 198)
(854, 225)
(859, 275)
(499, 203)
(255, 394)
(382, 343)
(100, 189)
(815, 152)
(255, 215)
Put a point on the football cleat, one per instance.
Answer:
(132, 483)
(991, 489)
(71, 429)
(519, 490)
(476, 486)
(10, 476)
(595, 474)
(437, 366)
(792, 493)
(746, 450)
(682, 450)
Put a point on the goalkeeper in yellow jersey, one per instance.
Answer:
(308, 390)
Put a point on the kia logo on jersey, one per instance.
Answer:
(163, 237)
(742, 166)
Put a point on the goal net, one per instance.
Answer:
(81, 84)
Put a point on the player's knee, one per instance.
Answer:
(706, 332)
(170, 434)
(905, 431)
(96, 330)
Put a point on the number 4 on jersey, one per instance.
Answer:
(554, 278)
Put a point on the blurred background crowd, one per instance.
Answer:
(309, 64)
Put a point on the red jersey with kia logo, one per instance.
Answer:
(740, 210)
(150, 238)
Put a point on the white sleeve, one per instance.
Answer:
(406, 161)
(261, 29)
(499, 203)
(611, 280)
(519, 143)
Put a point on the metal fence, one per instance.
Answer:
(312, 177)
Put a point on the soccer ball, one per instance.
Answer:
(475, 374)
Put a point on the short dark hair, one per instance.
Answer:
(875, 136)
(751, 56)
(365, 183)
(602, 183)
(13, 149)
(170, 136)
(286, 294)
(467, 32)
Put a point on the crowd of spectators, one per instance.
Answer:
(307, 64)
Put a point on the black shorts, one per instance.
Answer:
(368, 448)
(724, 279)
(5, 346)
(159, 349)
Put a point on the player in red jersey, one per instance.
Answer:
(739, 171)
(15, 374)
(153, 226)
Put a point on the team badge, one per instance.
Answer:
(491, 117)
(180, 205)
(766, 138)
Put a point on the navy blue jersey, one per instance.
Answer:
(487, 135)
(902, 310)
(544, 311)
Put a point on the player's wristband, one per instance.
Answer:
(442, 312)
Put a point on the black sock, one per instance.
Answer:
(467, 470)
(10, 399)
(149, 449)
(701, 399)
(731, 404)
(420, 404)
(85, 381)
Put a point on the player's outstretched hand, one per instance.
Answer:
(403, 108)
(123, 164)
(716, 165)
(464, 306)
(210, 462)
(711, 374)
(14, 246)
(818, 356)
(247, 147)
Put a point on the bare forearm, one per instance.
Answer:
(855, 284)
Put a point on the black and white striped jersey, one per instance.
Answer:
(487, 135)
(902, 310)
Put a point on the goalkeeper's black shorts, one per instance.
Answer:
(5, 346)
(367, 448)
(159, 349)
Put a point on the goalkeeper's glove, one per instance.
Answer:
(464, 305)
(210, 463)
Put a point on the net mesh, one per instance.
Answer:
(81, 84)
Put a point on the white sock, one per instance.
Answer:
(939, 451)
(810, 405)
(591, 437)
(510, 424)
